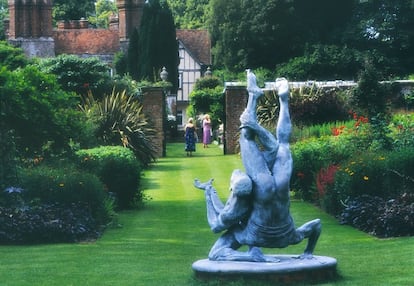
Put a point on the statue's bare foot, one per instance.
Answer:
(252, 87)
(256, 92)
(282, 87)
(203, 186)
(248, 119)
(257, 256)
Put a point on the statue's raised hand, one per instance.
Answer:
(203, 186)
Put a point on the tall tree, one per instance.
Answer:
(103, 9)
(253, 33)
(264, 33)
(73, 9)
(386, 27)
(133, 55)
(189, 14)
(4, 12)
(158, 46)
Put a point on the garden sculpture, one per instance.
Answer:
(256, 213)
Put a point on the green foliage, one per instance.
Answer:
(10, 57)
(385, 175)
(322, 62)
(38, 111)
(207, 97)
(79, 75)
(372, 98)
(4, 14)
(8, 162)
(207, 83)
(189, 14)
(64, 184)
(402, 130)
(118, 169)
(384, 27)
(47, 223)
(313, 154)
(133, 55)
(126, 83)
(73, 9)
(158, 46)
(381, 217)
(120, 121)
(331, 170)
(329, 44)
(246, 34)
(302, 132)
(120, 63)
(308, 105)
(103, 10)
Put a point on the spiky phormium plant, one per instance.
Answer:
(120, 121)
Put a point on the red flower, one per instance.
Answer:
(324, 178)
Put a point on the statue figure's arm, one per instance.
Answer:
(234, 212)
(222, 217)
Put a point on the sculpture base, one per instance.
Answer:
(290, 269)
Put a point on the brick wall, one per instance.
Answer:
(235, 102)
(153, 106)
(86, 41)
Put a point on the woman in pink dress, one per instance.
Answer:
(206, 130)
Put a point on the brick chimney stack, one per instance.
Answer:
(130, 14)
(30, 27)
(30, 19)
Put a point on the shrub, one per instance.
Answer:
(322, 62)
(311, 105)
(308, 105)
(79, 75)
(301, 132)
(47, 223)
(310, 156)
(120, 121)
(402, 130)
(380, 217)
(384, 175)
(118, 169)
(207, 97)
(65, 185)
(377, 174)
(12, 57)
(38, 111)
(8, 162)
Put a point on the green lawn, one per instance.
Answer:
(157, 245)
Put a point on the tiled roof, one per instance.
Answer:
(197, 43)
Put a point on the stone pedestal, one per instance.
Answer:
(289, 269)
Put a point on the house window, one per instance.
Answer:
(179, 118)
(180, 80)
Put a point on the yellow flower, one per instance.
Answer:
(366, 178)
(61, 185)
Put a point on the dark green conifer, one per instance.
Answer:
(158, 46)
